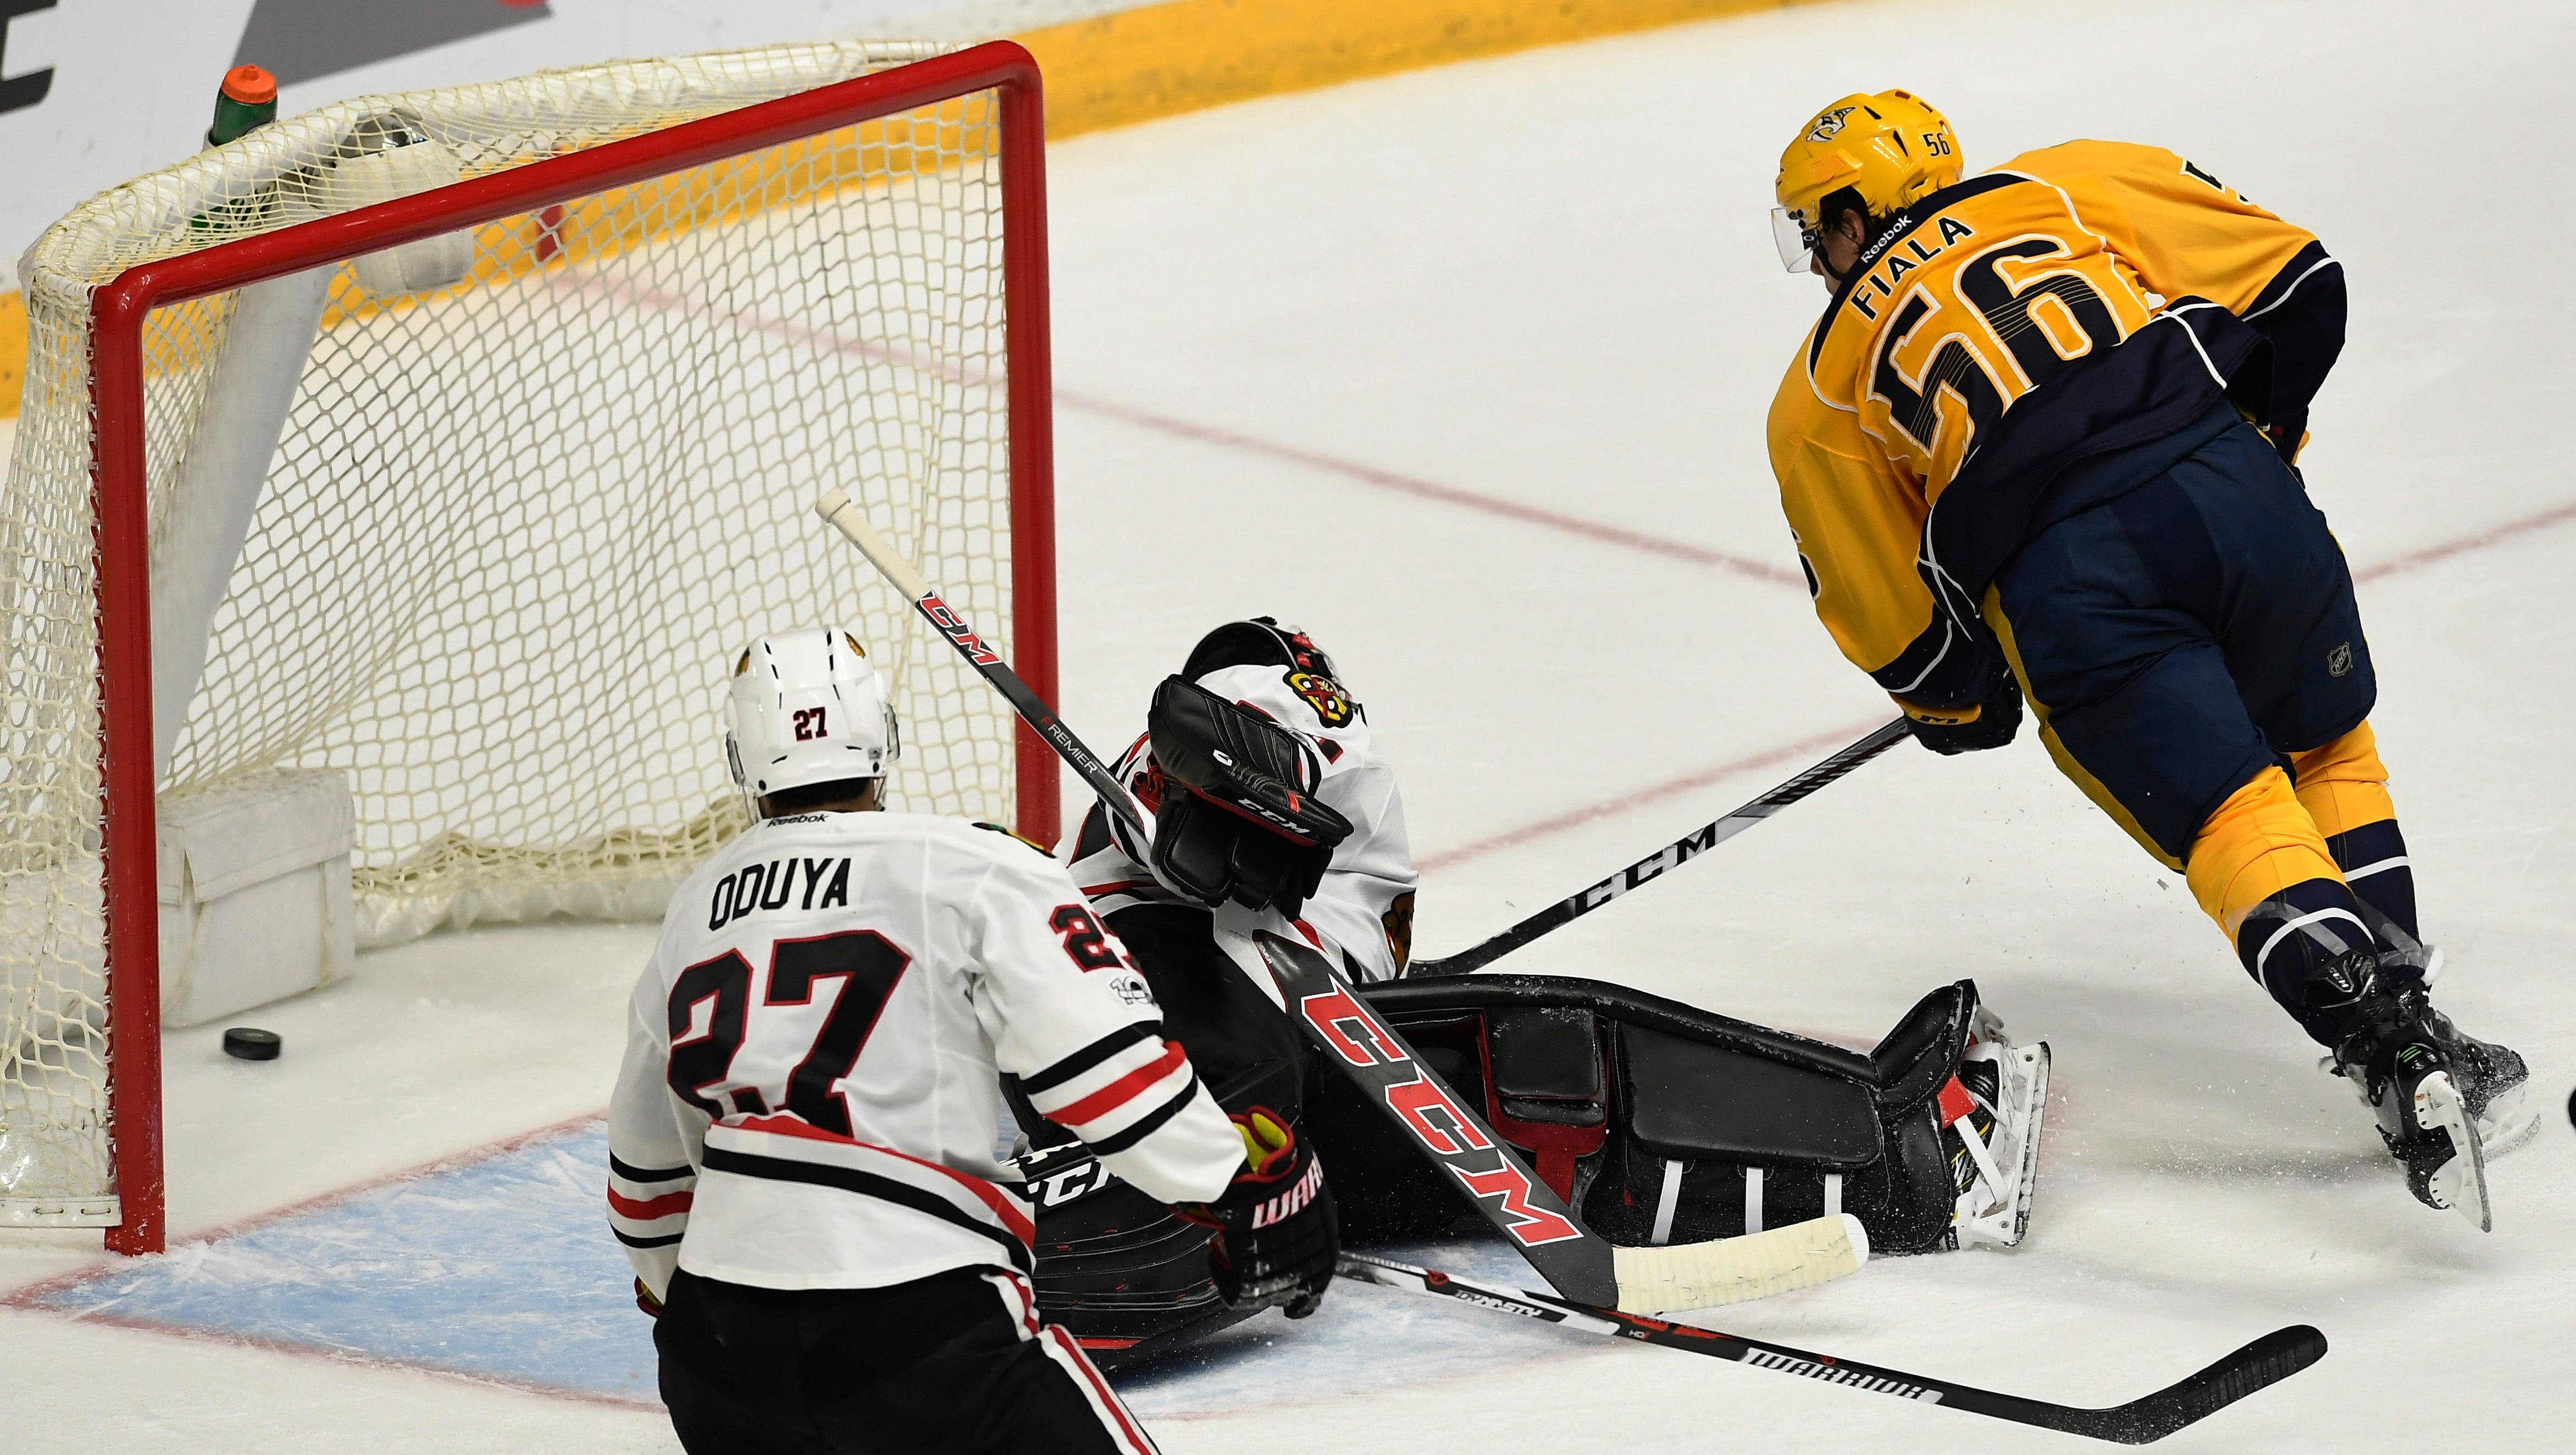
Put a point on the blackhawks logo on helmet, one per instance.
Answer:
(1332, 705)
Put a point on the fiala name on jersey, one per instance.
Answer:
(779, 884)
(1898, 265)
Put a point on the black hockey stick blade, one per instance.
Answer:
(1671, 856)
(1576, 1261)
(2265, 1362)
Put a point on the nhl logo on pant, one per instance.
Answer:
(2339, 660)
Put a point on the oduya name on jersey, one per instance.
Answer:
(779, 884)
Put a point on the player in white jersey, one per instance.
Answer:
(801, 1139)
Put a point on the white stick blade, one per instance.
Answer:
(1733, 1270)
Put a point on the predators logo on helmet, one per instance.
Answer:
(1889, 150)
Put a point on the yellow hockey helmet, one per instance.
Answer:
(1892, 148)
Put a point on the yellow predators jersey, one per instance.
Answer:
(2078, 300)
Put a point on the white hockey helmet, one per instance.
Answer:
(806, 707)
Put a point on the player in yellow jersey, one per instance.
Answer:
(2041, 444)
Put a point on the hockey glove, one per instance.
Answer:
(1276, 1233)
(1247, 826)
(1988, 724)
(645, 1300)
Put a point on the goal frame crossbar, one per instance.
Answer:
(120, 310)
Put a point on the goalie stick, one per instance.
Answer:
(2267, 1361)
(1576, 1261)
(836, 508)
(1671, 856)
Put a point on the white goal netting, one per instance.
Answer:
(515, 522)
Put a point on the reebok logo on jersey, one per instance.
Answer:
(775, 885)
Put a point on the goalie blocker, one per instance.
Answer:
(1659, 1122)
(1246, 826)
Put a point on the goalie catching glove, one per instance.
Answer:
(1247, 825)
(1276, 1233)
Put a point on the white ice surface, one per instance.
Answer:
(1546, 281)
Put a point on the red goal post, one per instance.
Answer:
(117, 399)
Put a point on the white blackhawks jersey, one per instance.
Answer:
(813, 1059)
(1364, 907)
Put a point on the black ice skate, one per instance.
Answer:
(2437, 1093)
(2497, 1083)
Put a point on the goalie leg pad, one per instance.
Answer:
(1665, 1124)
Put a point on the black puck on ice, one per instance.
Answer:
(249, 1043)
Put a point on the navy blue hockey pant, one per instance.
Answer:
(2182, 636)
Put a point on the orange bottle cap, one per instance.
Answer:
(250, 85)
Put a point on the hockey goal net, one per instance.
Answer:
(450, 442)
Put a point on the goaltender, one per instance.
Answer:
(2041, 444)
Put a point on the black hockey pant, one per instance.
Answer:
(953, 1364)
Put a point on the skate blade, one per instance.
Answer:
(2023, 1098)
(2034, 1066)
(2460, 1183)
(2510, 1116)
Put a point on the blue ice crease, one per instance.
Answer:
(504, 1268)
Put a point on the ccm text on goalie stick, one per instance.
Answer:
(1671, 856)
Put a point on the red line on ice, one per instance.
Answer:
(790, 331)
(1513, 838)
(353, 1359)
(1422, 489)
(2461, 546)
(1701, 778)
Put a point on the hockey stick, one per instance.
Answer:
(1577, 1262)
(1671, 856)
(1572, 1258)
(836, 508)
(2267, 1361)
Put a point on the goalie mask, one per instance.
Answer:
(806, 707)
(1238, 819)
(1261, 642)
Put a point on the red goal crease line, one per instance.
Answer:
(31, 1296)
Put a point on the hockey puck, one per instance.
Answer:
(249, 1043)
